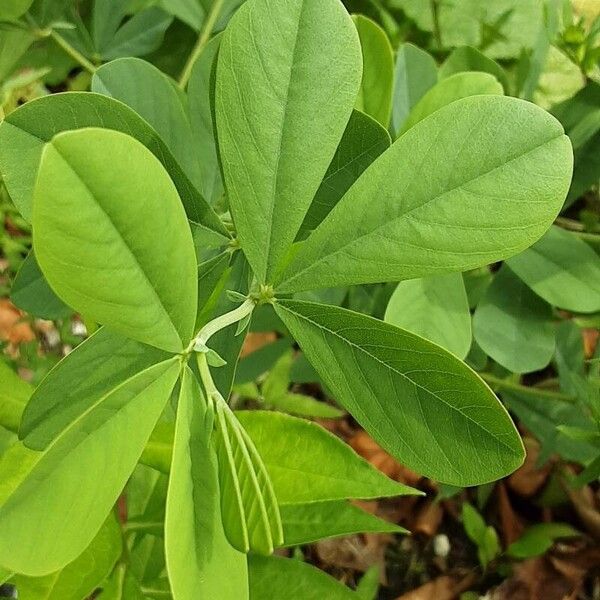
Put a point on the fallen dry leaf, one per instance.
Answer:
(590, 341)
(428, 519)
(529, 478)
(12, 328)
(512, 528)
(442, 588)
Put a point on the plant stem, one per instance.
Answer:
(203, 38)
(72, 52)
(437, 31)
(577, 229)
(505, 384)
(206, 377)
(243, 310)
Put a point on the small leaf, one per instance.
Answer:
(307, 523)
(416, 72)
(561, 269)
(422, 404)
(53, 503)
(513, 325)
(455, 87)
(277, 577)
(248, 504)
(200, 560)
(99, 244)
(277, 130)
(539, 538)
(306, 463)
(467, 58)
(436, 308)
(412, 213)
(375, 93)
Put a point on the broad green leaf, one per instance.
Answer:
(278, 131)
(13, 9)
(53, 503)
(413, 211)
(201, 99)
(95, 368)
(14, 395)
(467, 58)
(375, 94)
(139, 35)
(190, 12)
(212, 274)
(307, 523)
(100, 245)
(416, 72)
(561, 269)
(417, 400)
(435, 308)
(82, 576)
(455, 87)
(155, 97)
(513, 325)
(30, 292)
(14, 42)
(306, 463)
(25, 131)
(249, 506)
(200, 560)
(539, 538)
(560, 79)
(363, 141)
(277, 577)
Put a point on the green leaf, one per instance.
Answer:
(139, 35)
(416, 72)
(30, 292)
(467, 58)
(53, 503)
(363, 141)
(190, 12)
(277, 130)
(24, 132)
(277, 577)
(100, 245)
(14, 395)
(94, 369)
(257, 363)
(484, 536)
(455, 87)
(200, 560)
(201, 100)
(513, 325)
(156, 98)
(306, 463)
(375, 93)
(413, 211)
(561, 269)
(307, 523)
(248, 503)
(435, 308)
(538, 538)
(13, 9)
(82, 576)
(423, 405)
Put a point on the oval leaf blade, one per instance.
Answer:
(418, 401)
(112, 237)
(52, 503)
(277, 131)
(477, 181)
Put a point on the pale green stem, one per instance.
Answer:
(243, 310)
(505, 384)
(203, 39)
(72, 52)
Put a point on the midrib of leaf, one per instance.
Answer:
(408, 212)
(124, 245)
(71, 426)
(269, 265)
(386, 365)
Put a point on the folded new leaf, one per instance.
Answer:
(100, 242)
(422, 404)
